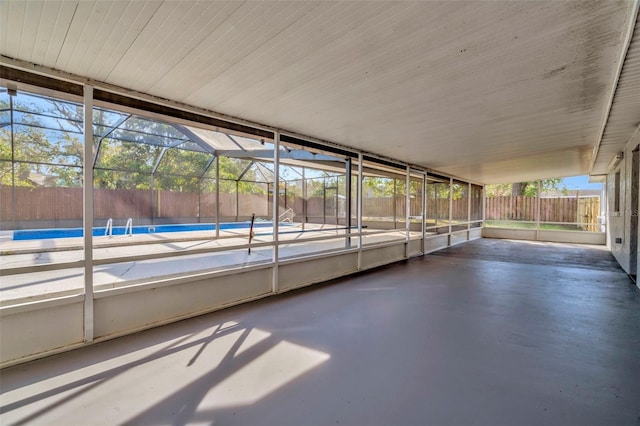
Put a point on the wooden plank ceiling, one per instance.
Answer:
(486, 91)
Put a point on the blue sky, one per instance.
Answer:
(579, 182)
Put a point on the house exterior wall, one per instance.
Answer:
(619, 219)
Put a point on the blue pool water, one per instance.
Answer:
(42, 234)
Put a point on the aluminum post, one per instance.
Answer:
(276, 209)
(87, 216)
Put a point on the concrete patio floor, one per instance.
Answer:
(491, 332)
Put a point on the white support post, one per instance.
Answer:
(348, 174)
(304, 198)
(276, 208)
(395, 204)
(13, 161)
(87, 216)
(237, 200)
(538, 212)
(424, 210)
(426, 205)
(484, 205)
(408, 205)
(407, 212)
(604, 212)
(469, 211)
(217, 196)
(450, 209)
(359, 209)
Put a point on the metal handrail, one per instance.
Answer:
(288, 215)
(108, 230)
(129, 227)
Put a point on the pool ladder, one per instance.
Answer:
(108, 230)
(128, 229)
(287, 216)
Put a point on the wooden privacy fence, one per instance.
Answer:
(56, 204)
(588, 212)
(387, 206)
(65, 204)
(583, 210)
(30, 204)
(59, 204)
(512, 208)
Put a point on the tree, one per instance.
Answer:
(43, 156)
(498, 190)
(527, 189)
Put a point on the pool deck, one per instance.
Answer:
(125, 260)
(8, 246)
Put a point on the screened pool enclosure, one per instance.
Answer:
(146, 170)
(150, 221)
(173, 197)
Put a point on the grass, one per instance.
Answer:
(530, 225)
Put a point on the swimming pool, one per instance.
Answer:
(43, 234)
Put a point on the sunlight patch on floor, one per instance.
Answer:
(222, 365)
(274, 369)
